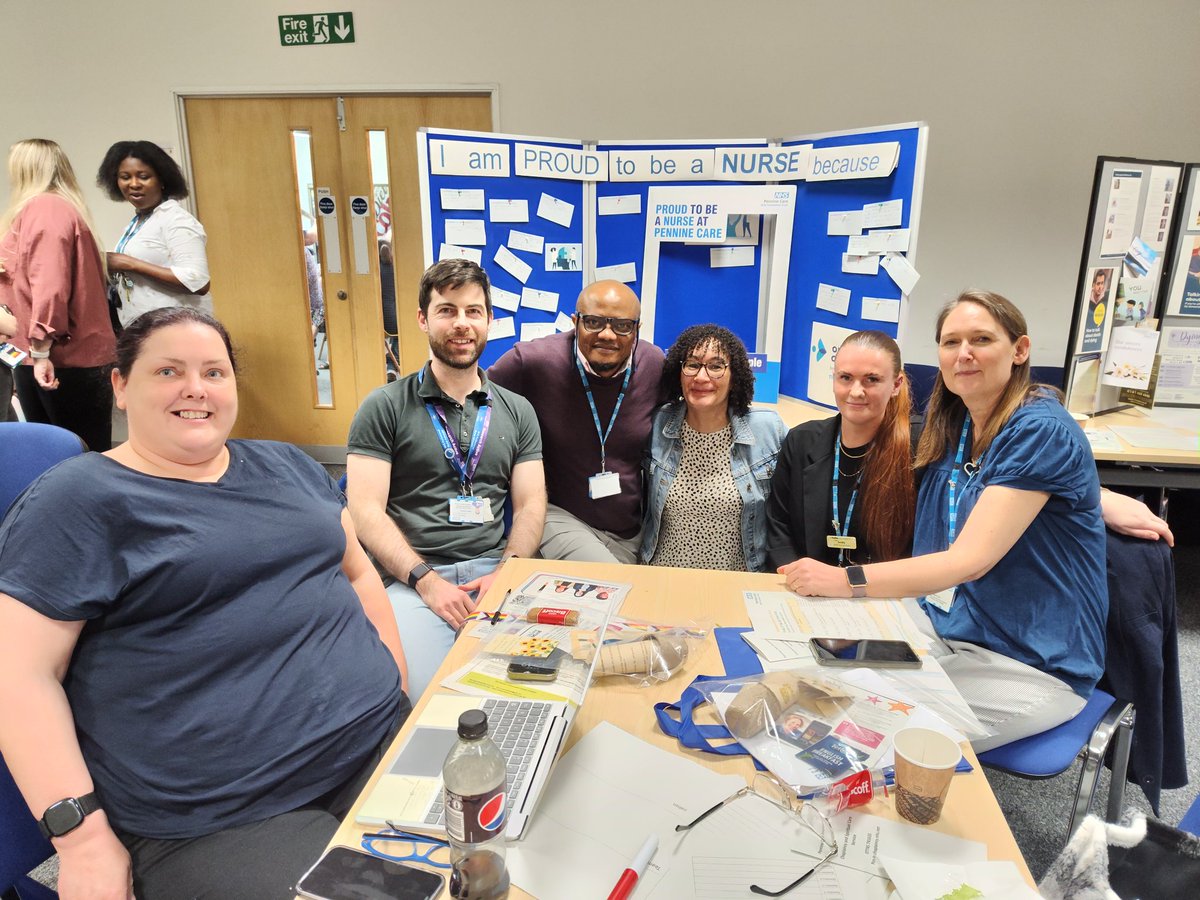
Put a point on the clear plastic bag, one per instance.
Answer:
(647, 653)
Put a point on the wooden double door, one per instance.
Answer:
(313, 213)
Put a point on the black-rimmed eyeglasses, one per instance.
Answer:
(596, 324)
(716, 370)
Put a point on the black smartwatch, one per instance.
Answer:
(66, 815)
(417, 572)
(858, 580)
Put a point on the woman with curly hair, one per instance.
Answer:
(160, 259)
(711, 458)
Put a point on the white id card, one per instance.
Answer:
(943, 600)
(11, 356)
(470, 510)
(604, 484)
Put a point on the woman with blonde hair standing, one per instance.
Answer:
(52, 277)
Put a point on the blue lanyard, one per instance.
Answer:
(845, 526)
(134, 227)
(464, 467)
(958, 466)
(603, 435)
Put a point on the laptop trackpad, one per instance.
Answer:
(425, 753)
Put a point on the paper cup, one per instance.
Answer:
(925, 764)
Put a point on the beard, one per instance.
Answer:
(456, 359)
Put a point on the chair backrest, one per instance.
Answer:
(22, 847)
(27, 449)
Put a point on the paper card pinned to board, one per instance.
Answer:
(555, 210)
(895, 240)
(880, 309)
(504, 327)
(901, 271)
(455, 199)
(465, 232)
(452, 251)
(503, 299)
(543, 300)
(513, 265)
(563, 322)
(845, 221)
(860, 265)
(888, 214)
(531, 243)
(730, 257)
(859, 245)
(623, 272)
(531, 331)
(625, 205)
(508, 210)
(833, 299)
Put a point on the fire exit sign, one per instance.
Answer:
(316, 28)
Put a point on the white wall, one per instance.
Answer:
(1021, 96)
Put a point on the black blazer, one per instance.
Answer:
(800, 507)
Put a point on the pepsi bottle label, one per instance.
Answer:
(475, 818)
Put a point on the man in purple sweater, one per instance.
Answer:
(594, 391)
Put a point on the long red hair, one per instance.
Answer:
(889, 493)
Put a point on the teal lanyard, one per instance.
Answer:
(587, 386)
(845, 526)
(971, 468)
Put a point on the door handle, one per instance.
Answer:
(341, 295)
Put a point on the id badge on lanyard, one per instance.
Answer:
(466, 509)
(944, 599)
(603, 483)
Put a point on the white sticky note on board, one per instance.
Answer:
(555, 210)
(508, 210)
(625, 205)
(519, 240)
(860, 265)
(531, 331)
(512, 264)
(563, 322)
(880, 309)
(452, 251)
(888, 214)
(858, 245)
(846, 221)
(623, 272)
(504, 327)
(833, 299)
(505, 299)
(454, 199)
(902, 271)
(894, 240)
(543, 300)
(465, 232)
(730, 257)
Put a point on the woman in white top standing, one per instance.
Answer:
(160, 258)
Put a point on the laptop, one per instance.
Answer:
(530, 733)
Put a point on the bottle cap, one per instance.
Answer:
(472, 724)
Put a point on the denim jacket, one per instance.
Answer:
(756, 440)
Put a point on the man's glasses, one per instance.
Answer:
(716, 370)
(596, 324)
(422, 848)
(766, 787)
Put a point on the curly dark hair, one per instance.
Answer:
(168, 171)
(741, 379)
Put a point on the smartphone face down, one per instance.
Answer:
(871, 653)
(346, 874)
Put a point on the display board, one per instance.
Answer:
(1178, 382)
(703, 231)
(1131, 221)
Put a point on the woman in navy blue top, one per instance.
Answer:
(1009, 545)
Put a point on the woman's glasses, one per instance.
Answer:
(767, 787)
(716, 369)
(596, 324)
(422, 848)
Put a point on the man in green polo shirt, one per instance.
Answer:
(432, 458)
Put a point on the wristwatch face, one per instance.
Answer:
(417, 573)
(856, 576)
(63, 816)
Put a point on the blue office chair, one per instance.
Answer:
(22, 847)
(1191, 819)
(27, 449)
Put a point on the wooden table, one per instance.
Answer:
(681, 596)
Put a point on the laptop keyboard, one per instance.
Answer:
(514, 725)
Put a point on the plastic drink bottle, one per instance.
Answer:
(475, 782)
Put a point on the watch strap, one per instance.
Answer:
(417, 572)
(87, 804)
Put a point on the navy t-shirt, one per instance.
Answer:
(1045, 603)
(226, 671)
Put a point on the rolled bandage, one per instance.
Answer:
(552, 615)
(761, 702)
(654, 654)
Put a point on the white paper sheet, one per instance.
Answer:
(465, 232)
(625, 205)
(503, 299)
(563, 322)
(1100, 438)
(504, 327)
(887, 214)
(513, 264)
(880, 309)
(543, 300)
(833, 299)
(901, 271)
(781, 615)
(555, 210)
(508, 210)
(450, 251)
(859, 245)
(1130, 358)
(730, 257)
(623, 272)
(865, 838)
(455, 199)
(531, 331)
(895, 239)
(934, 880)
(1157, 438)
(847, 222)
(520, 240)
(860, 265)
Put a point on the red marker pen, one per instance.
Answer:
(629, 878)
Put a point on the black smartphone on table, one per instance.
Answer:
(872, 653)
(347, 874)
